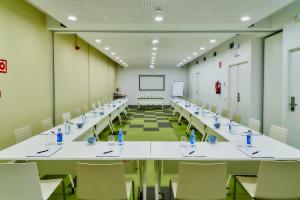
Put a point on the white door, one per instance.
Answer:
(197, 87)
(244, 91)
(234, 79)
(294, 95)
(240, 90)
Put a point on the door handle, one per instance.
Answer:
(293, 104)
(238, 97)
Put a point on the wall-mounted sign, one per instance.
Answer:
(220, 64)
(3, 66)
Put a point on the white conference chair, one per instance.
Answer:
(99, 103)
(21, 181)
(237, 118)
(279, 133)
(103, 180)
(22, 133)
(200, 181)
(275, 180)
(47, 124)
(225, 113)
(254, 124)
(94, 106)
(66, 116)
(213, 109)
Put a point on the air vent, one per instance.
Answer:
(204, 58)
(231, 45)
(197, 62)
(215, 54)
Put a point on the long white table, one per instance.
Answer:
(75, 150)
(151, 101)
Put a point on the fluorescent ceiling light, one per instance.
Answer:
(72, 18)
(202, 48)
(98, 41)
(180, 63)
(155, 41)
(245, 18)
(159, 18)
(106, 48)
(212, 40)
(121, 61)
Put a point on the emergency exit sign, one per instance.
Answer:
(3, 66)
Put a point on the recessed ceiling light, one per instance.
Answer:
(121, 61)
(153, 57)
(72, 18)
(98, 40)
(159, 18)
(126, 65)
(189, 57)
(112, 53)
(194, 53)
(180, 63)
(154, 48)
(153, 54)
(155, 41)
(202, 48)
(151, 66)
(212, 40)
(184, 60)
(106, 48)
(245, 18)
(117, 58)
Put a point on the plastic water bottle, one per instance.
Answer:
(83, 117)
(249, 138)
(120, 137)
(192, 139)
(231, 128)
(59, 137)
(67, 128)
(203, 112)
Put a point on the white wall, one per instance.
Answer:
(128, 81)
(250, 51)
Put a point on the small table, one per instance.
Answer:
(151, 101)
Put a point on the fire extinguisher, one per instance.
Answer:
(218, 87)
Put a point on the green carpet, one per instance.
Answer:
(149, 124)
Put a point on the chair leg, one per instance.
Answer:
(64, 190)
(228, 183)
(72, 183)
(133, 197)
(170, 189)
(234, 188)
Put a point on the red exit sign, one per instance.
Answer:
(3, 66)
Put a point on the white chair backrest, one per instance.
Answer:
(66, 116)
(101, 180)
(213, 109)
(201, 181)
(99, 103)
(94, 106)
(20, 181)
(47, 124)
(278, 180)
(22, 133)
(254, 124)
(86, 108)
(279, 133)
(236, 118)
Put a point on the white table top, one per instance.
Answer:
(79, 151)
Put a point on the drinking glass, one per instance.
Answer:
(111, 140)
(183, 141)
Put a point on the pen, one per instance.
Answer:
(255, 152)
(107, 152)
(191, 152)
(42, 151)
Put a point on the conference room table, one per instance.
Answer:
(75, 149)
(151, 100)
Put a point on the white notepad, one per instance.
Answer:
(114, 151)
(191, 152)
(253, 152)
(45, 152)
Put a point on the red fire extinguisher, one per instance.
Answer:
(218, 87)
